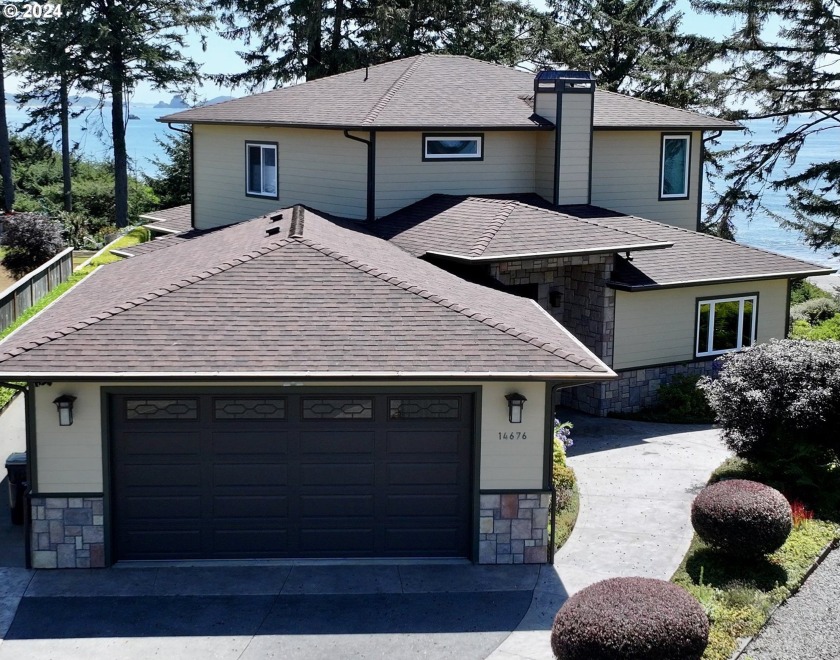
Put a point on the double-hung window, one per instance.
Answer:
(726, 324)
(676, 156)
(453, 147)
(261, 174)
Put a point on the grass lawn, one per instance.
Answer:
(739, 595)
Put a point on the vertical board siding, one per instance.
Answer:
(659, 327)
(319, 168)
(24, 293)
(574, 149)
(545, 105)
(626, 175)
(544, 166)
(402, 177)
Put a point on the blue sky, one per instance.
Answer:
(220, 56)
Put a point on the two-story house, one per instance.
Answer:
(351, 343)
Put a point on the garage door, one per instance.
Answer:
(217, 476)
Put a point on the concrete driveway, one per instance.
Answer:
(637, 481)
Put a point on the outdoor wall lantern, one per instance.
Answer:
(516, 402)
(64, 403)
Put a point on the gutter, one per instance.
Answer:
(371, 170)
(27, 495)
(555, 253)
(720, 280)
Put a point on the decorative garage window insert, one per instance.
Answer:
(425, 408)
(335, 408)
(725, 324)
(676, 156)
(154, 409)
(261, 175)
(453, 147)
(250, 408)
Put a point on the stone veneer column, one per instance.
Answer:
(68, 532)
(513, 528)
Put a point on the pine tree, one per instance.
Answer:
(125, 42)
(631, 46)
(782, 66)
(173, 183)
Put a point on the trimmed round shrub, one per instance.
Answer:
(630, 618)
(741, 517)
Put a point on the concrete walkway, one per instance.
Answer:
(637, 481)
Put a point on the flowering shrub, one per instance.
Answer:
(800, 513)
(630, 618)
(741, 517)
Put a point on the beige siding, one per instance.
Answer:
(659, 327)
(402, 177)
(626, 173)
(69, 459)
(575, 123)
(319, 168)
(544, 176)
(545, 105)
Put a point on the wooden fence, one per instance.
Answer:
(29, 289)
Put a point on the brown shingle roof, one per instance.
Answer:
(429, 91)
(697, 258)
(493, 228)
(519, 226)
(318, 297)
(169, 221)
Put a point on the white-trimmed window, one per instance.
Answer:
(261, 169)
(726, 324)
(453, 147)
(676, 157)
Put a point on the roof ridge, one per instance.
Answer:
(380, 105)
(159, 292)
(493, 228)
(440, 300)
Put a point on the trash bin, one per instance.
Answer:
(16, 468)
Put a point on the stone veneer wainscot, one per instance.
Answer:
(513, 528)
(68, 532)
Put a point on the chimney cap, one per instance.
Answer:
(569, 76)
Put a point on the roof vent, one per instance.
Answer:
(296, 230)
(276, 218)
(272, 231)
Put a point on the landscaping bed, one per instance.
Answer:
(740, 594)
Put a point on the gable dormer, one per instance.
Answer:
(564, 171)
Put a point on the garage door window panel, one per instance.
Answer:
(425, 408)
(335, 408)
(249, 408)
(161, 409)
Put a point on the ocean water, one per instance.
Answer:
(759, 230)
(94, 141)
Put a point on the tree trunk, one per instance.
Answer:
(65, 145)
(120, 155)
(5, 147)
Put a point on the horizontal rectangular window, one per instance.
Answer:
(676, 156)
(425, 408)
(250, 408)
(453, 147)
(261, 178)
(154, 409)
(726, 324)
(335, 408)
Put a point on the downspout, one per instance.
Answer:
(192, 170)
(27, 495)
(371, 171)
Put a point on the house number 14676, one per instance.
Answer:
(513, 435)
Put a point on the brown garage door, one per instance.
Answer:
(216, 476)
